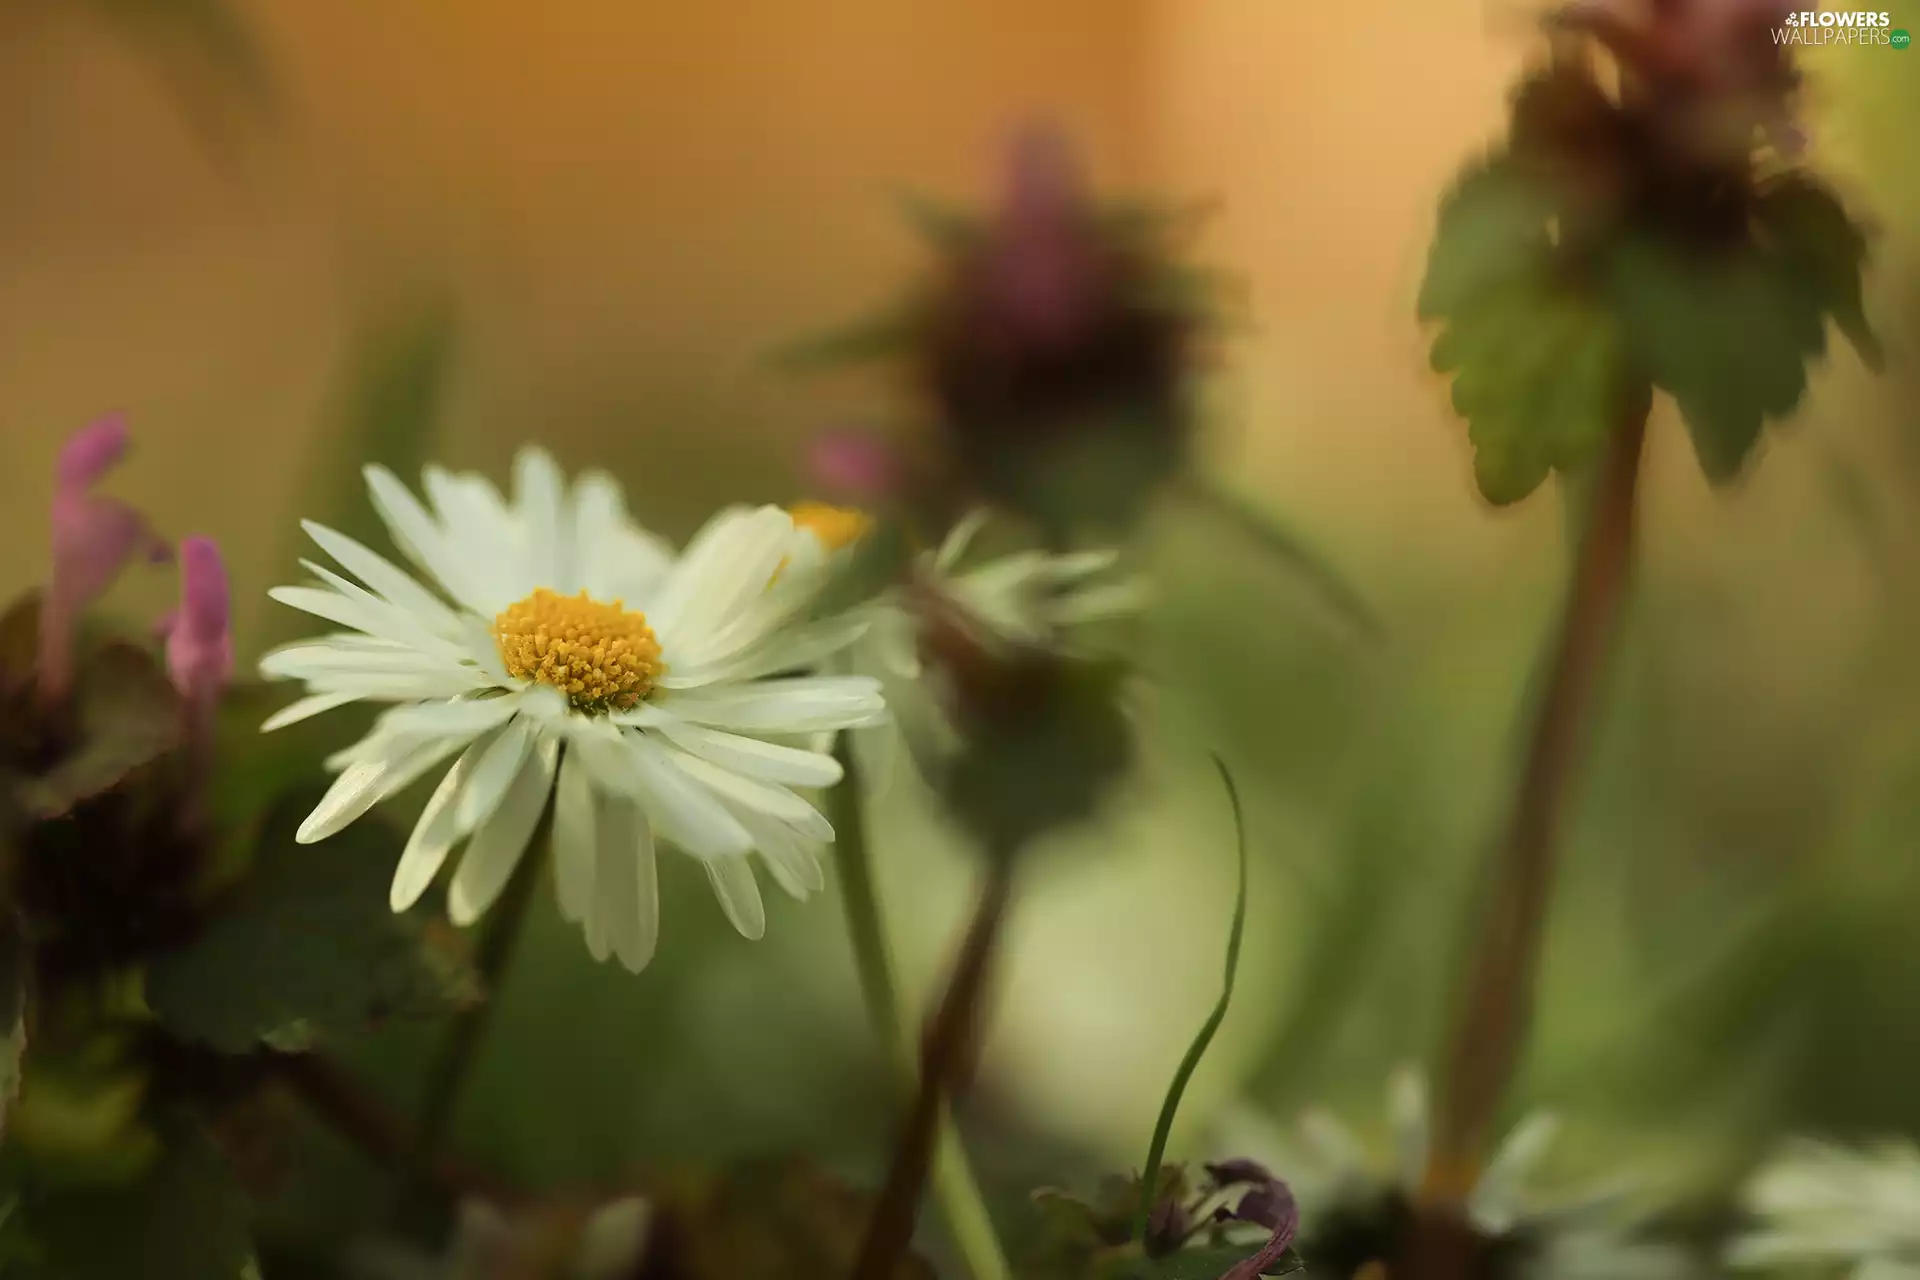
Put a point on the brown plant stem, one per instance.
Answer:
(946, 1063)
(1490, 1028)
(344, 1105)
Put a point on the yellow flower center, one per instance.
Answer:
(602, 656)
(836, 527)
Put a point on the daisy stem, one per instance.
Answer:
(448, 1074)
(946, 1060)
(1490, 1026)
(955, 1189)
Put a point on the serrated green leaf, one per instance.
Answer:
(1491, 229)
(878, 337)
(1818, 241)
(1726, 337)
(1203, 1264)
(186, 1219)
(307, 946)
(129, 717)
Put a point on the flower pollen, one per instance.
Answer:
(835, 527)
(602, 656)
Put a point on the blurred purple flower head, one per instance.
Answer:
(1717, 68)
(93, 538)
(855, 467)
(1041, 275)
(199, 642)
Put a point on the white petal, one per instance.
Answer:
(381, 575)
(367, 782)
(492, 776)
(756, 758)
(798, 649)
(801, 704)
(539, 493)
(613, 558)
(1407, 1111)
(574, 847)
(500, 841)
(464, 717)
(794, 863)
(728, 564)
(1496, 1198)
(371, 617)
(480, 531)
(627, 907)
(958, 539)
(417, 534)
(775, 802)
(437, 831)
(1100, 604)
(680, 808)
(1333, 1143)
(295, 712)
(739, 894)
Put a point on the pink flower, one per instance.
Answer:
(93, 538)
(199, 642)
(849, 466)
(1043, 273)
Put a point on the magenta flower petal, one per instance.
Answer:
(200, 642)
(854, 467)
(93, 538)
(92, 452)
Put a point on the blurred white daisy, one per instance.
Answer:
(1855, 1212)
(1584, 1237)
(1025, 597)
(570, 653)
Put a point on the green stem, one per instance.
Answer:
(447, 1077)
(955, 1189)
(1163, 1128)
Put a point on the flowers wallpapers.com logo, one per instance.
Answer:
(1841, 27)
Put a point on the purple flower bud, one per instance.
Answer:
(1269, 1205)
(854, 467)
(93, 538)
(199, 643)
(1041, 278)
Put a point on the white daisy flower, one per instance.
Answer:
(1586, 1237)
(1856, 1212)
(1026, 597)
(569, 653)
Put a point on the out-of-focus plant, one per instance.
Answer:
(162, 968)
(1646, 228)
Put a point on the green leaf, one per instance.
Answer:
(944, 226)
(1491, 230)
(1538, 365)
(1163, 1128)
(1819, 244)
(881, 336)
(186, 1219)
(307, 946)
(1726, 336)
(129, 717)
(1204, 1264)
